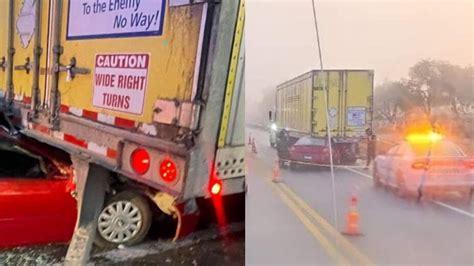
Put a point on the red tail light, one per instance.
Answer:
(420, 166)
(215, 187)
(469, 164)
(168, 170)
(140, 161)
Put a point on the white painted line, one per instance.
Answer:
(359, 172)
(453, 208)
(434, 201)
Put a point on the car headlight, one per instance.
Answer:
(274, 127)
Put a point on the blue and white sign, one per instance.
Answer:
(95, 19)
(356, 116)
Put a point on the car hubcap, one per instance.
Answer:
(119, 221)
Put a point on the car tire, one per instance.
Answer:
(135, 211)
(293, 166)
(401, 189)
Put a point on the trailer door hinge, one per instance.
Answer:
(72, 70)
(26, 67)
(3, 63)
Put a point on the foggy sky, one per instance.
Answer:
(387, 36)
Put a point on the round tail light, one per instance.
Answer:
(140, 161)
(168, 170)
(215, 187)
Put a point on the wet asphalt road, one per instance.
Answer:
(208, 247)
(293, 222)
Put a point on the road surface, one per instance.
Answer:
(207, 247)
(292, 222)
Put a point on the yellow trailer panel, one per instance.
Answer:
(145, 52)
(4, 5)
(24, 43)
(359, 97)
(301, 104)
(293, 101)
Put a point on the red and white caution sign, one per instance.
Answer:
(120, 82)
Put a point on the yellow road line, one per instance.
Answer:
(325, 243)
(344, 243)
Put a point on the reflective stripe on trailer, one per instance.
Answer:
(234, 60)
(92, 146)
(95, 116)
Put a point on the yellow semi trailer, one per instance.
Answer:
(146, 96)
(300, 107)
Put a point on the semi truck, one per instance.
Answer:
(300, 108)
(146, 96)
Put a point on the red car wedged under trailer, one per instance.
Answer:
(37, 203)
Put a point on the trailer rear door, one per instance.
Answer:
(141, 64)
(358, 102)
(29, 18)
(3, 45)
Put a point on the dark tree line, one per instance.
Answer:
(430, 84)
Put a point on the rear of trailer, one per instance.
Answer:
(145, 95)
(300, 106)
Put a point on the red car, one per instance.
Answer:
(315, 150)
(312, 150)
(37, 203)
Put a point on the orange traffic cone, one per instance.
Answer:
(276, 172)
(352, 219)
(254, 148)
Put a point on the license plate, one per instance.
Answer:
(307, 157)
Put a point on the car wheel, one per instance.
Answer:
(400, 188)
(125, 220)
(293, 166)
(376, 177)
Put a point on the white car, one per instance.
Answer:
(434, 169)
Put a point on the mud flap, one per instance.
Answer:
(188, 217)
(91, 183)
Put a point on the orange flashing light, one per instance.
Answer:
(431, 137)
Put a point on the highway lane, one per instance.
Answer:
(274, 236)
(396, 231)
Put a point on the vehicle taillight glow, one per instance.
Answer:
(215, 187)
(420, 165)
(430, 137)
(168, 170)
(140, 161)
(469, 164)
